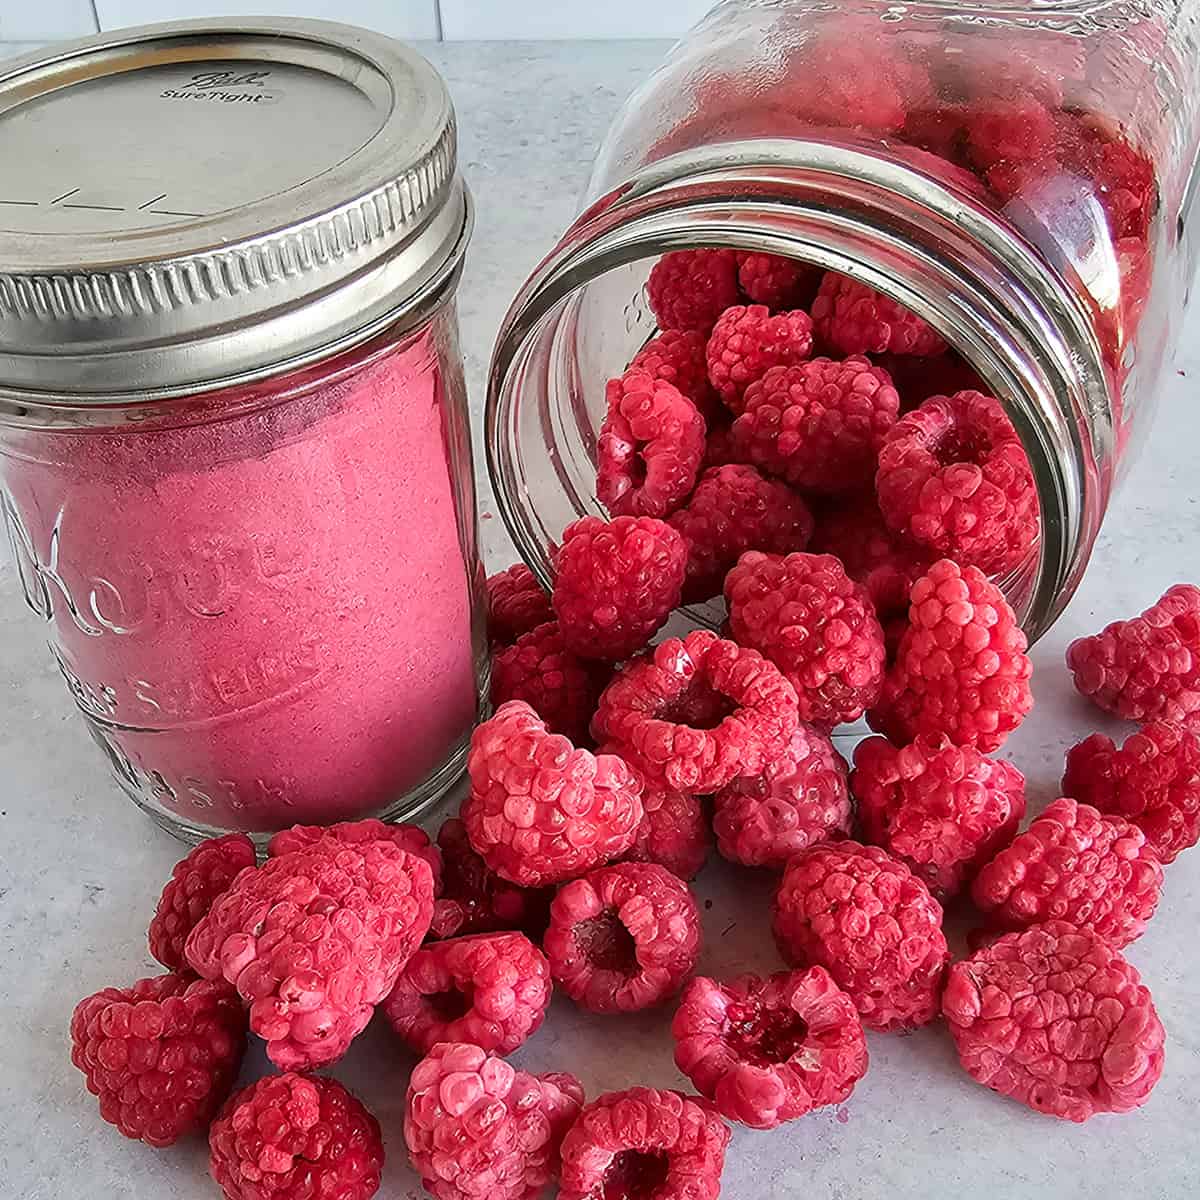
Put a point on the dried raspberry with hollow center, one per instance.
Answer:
(477, 1129)
(677, 356)
(1055, 1018)
(559, 686)
(314, 939)
(820, 424)
(799, 798)
(517, 603)
(747, 342)
(942, 810)
(766, 1051)
(162, 1055)
(490, 989)
(1073, 864)
(541, 811)
(1146, 668)
(1153, 781)
(732, 510)
(623, 938)
(644, 1144)
(954, 477)
(872, 924)
(288, 1136)
(695, 712)
(690, 289)
(195, 884)
(674, 832)
(851, 318)
(779, 283)
(961, 669)
(410, 838)
(816, 625)
(650, 447)
(616, 583)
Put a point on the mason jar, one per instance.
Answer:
(1019, 175)
(234, 442)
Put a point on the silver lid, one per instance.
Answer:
(201, 203)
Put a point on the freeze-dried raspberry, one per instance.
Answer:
(732, 510)
(954, 477)
(644, 1144)
(719, 450)
(917, 379)
(1009, 129)
(820, 424)
(162, 1055)
(410, 838)
(674, 832)
(194, 886)
(690, 289)
(770, 1050)
(961, 668)
(799, 798)
(623, 938)
(559, 686)
(852, 318)
(747, 342)
(517, 603)
(616, 583)
(1123, 178)
(1055, 1018)
(677, 356)
(490, 989)
(477, 1129)
(474, 899)
(650, 447)
(1152, 781)
(695, 712)
(872, 924)
(541, 811)
(291, 1136)
(816, 625)
(314, 939)
(942, 810)
(1146, 668)
(779, 283)
(1073, 864)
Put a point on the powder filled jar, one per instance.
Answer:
(234, 443)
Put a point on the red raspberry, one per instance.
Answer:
(517, 603)
(1146, 668)
(313, 940)
(491, 989)
(1009, 129)
(917, 379)
(623, 938)
(800, 798)
(779, 283)
(953, 476)
(1152, 781)
(961, 668)
(1057, 1019)
(820, 424)
(747, 342)
(732, 510)
(719, 450)
(161, 1055)
(616, 584)
(677, 356)
(872, 924)
(942, 810)
(195, 884)
(770, 1050)
(695, 712)
(641, 1144)
(541, 811)
(674, 832)
(852, 318)
(410, 838)
(816, 625)
(559, 686)
(477, 1129)
(690, 289)
(1073, 864)
(1123, 178)
(289, 1136)
(476, 900)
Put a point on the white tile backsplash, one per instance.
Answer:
(44, 20)
(491, 20)
(401, 18)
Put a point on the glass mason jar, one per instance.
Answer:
(234, 442)
(1020, 175)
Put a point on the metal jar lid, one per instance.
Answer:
(202, 203)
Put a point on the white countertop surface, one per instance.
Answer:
(80, 868)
